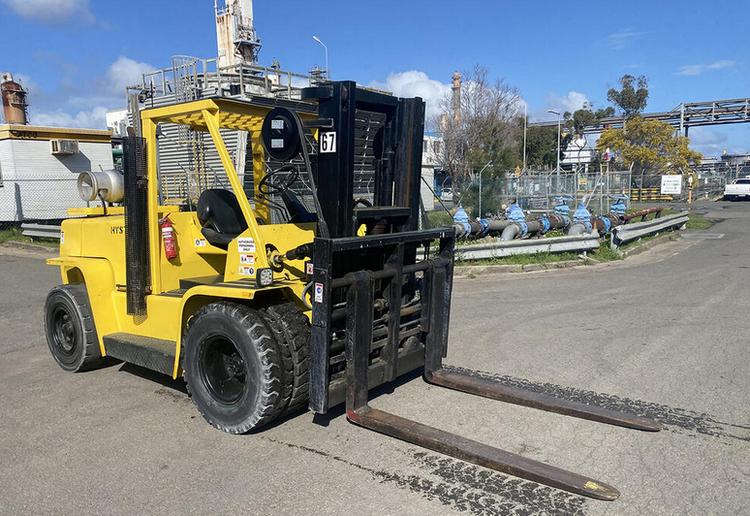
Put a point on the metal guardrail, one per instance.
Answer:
(629, 232)
(585, 242)
(40, 231)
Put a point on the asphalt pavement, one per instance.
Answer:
(662, 334)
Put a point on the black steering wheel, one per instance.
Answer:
(266, 187)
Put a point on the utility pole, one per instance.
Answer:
(524, 137)
(480, 187)
(557, 173)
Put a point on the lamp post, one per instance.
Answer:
(480, 187)
(328, 73)
(557, 173)
(524, 136)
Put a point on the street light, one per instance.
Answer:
(328, 73)
(480, 187)
(557, 173)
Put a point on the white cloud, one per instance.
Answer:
(570, 102)
(91, 119)
(106, 92)
(416, 84)
(51, 11)
(124, 72)
(698, 69)
(708, 142)
(620, 39)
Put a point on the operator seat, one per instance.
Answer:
(221, 217)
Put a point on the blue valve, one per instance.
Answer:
(461, 217)
(515, 213)
(618, 208)
(561, 208)
(583, 216)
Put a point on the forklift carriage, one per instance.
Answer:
(307, 282)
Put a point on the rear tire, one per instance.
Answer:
(69, 327)
(232, 367)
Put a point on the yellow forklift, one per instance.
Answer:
(306, 283)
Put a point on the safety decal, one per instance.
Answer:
(245, 245)
(318, 292)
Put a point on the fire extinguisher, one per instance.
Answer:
(167, 236)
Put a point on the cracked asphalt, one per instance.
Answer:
(662, 334)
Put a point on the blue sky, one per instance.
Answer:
(76, 56)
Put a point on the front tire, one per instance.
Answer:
(69, 327)
(232, 367)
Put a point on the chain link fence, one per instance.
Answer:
(43, 198)
(536, 190)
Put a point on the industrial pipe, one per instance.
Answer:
(642, 214)
(465, 227)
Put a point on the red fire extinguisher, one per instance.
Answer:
(167, 236)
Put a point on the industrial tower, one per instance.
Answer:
(236, 37)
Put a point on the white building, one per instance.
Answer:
(39, 168)
(432, 158)
(579, 151)
(118, 121)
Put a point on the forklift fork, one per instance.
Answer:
(359, 333)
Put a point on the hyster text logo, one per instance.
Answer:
(117, 230)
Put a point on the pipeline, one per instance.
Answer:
(617, 216)
(519, 227)
(642, 214)
(465, 227)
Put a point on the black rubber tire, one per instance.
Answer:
(232, 367)
(70, 330)
(291, 328)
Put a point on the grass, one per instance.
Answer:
(15, 235)
(606, 253)
(439, 218)
(695, 221)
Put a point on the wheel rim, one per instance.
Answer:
(64, 334)
(223, 370)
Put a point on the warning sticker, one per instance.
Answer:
(277, 124)
(318, 292)
(309, 268)
(245, 245)
(247, 259)
(200, 242)
(247, 271)
(277, 143)
(62, 237)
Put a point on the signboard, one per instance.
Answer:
(671, 185)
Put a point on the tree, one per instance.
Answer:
(541, 146)
(586, 117)
(630, 100)
(482, 127)
(651, 147)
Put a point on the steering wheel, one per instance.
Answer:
(266, 187)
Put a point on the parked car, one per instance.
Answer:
(737, 189)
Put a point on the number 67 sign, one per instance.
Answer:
(327, 142)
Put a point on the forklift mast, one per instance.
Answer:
(381, 301)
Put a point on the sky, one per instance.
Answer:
(77, 56)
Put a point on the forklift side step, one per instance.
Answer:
(155, 354)
(480, 454)
(491, 389)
